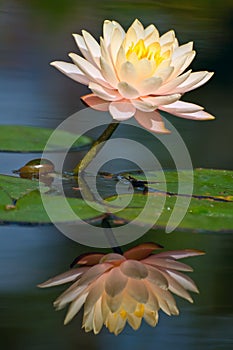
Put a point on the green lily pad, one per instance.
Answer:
(207, 182)
(210, 209)
(20, 138)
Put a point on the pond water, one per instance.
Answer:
(34, 33)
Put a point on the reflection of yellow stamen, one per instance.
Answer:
(139, 312)
(123, 314)
(151, 52)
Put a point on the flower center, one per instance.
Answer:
(151, 52)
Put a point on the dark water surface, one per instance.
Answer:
(34, 33)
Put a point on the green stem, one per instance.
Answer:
(96, 147)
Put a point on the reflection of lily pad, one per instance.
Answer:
(29, 209)
(202, 215)
(19, 138)
(20, 202)
(16, 187)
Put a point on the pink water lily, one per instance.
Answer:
(116, 289)
(136, 73)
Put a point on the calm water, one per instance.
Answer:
(34, 33)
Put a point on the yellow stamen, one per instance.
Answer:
(151, 52)
(123, 314)
(139, 312)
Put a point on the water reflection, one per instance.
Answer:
(30, 254)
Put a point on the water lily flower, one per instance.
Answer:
(116, 289)
(136, 73)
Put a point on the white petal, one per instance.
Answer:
(167, 37)
(127, 91)
(181, 107)
(108, 73)
(130, 38)
(151, 35)
(92, 73)
(189, 59)
(144, 68)
(143, 106)
(121, 58)
(200, 115)
(116, 41)
(93, 47)
(170, 87)
(107, 31)
(195, 81)
(149, 30)
(151, 121)
(121, 110)
(95, 102)
(150, 86)
(83, 47)
(161, 100)
(128, 73)
(108, 28)
(178, 65)
(163, 73)
(104, 93)
(74, 308)
(72, 71)
(139, 29)
(167, 47)
(183, 49)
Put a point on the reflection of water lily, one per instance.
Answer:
(136, 72)
(116, 289)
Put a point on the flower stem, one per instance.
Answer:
(96, 147)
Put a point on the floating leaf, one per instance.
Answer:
(207, 182)
(20, 138)
(211, 207)
(210, 210)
